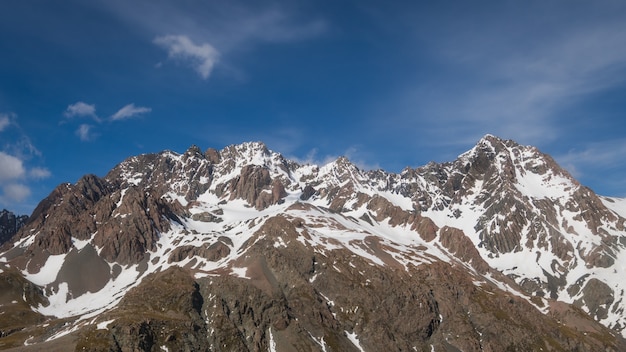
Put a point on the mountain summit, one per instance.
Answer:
(242, 249)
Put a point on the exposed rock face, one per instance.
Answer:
(10, 224)
(296, 302)
(462, 247)
(598, 297)
(241, 249)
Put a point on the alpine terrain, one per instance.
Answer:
(243, 250)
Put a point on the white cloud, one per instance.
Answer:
(4, 122)
(84, 132)
(129, 111)
(39, 173)
(12, 167)
(201, 58)
(14, 174)
(12, 170)
(14, 192)
(81, 109)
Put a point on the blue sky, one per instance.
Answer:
(85, 84)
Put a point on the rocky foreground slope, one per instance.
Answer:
(243, 250)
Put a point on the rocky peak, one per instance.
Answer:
(342, 171)
(507, 160)
(248, 152)
(194, 151)
(235, 157)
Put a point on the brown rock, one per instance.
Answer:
(462, 247)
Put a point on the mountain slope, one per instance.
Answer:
(499, 249)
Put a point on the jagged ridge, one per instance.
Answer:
(485, 213)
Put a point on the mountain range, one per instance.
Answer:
(241, 249)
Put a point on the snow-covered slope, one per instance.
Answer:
(506, 214)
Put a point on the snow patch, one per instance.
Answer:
(240, 272)
(355, 340)
(272, 343)
(90, 304)
(104, 325)
(48, 272)
(618, 205)
(80, 244)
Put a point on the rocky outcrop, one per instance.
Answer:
(126, 239)
(597, 297)
(171, 318)
(10, 224)
(211, 252)
(256, 187)
(462, 247)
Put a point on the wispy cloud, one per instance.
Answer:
(129, 111)
(201, 57)
(210, 35)
(599, 163)
(14, 174)
(39, 173)
(312, 157)
(4, 121)
(246, 28)
(81, 109)
(84, 132)
(593, 156)
(353, 153)
(515, 75)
